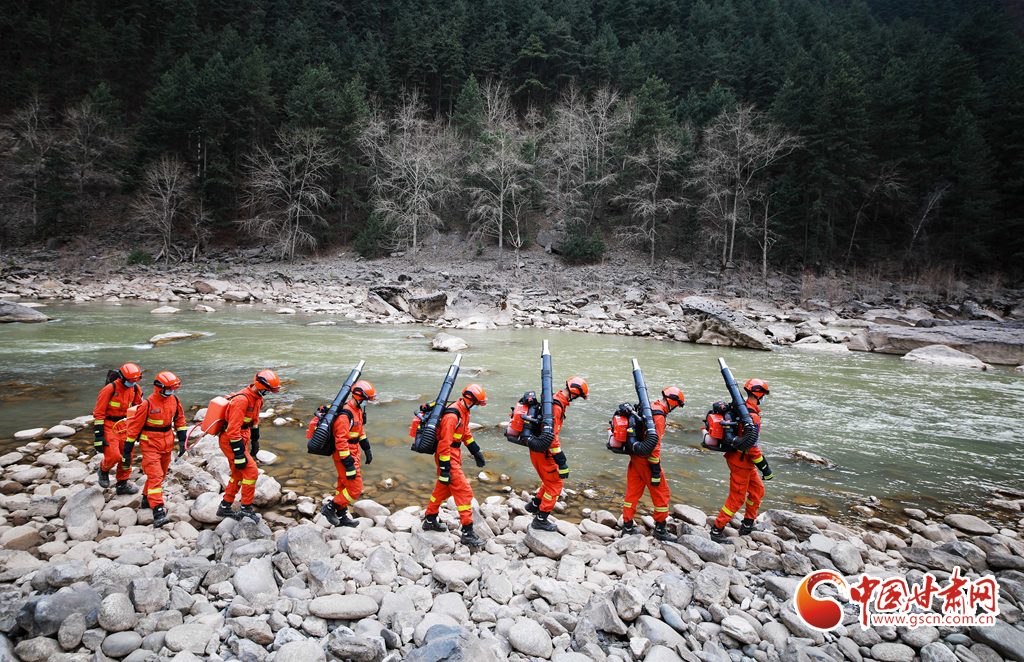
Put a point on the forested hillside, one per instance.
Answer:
(793, 132)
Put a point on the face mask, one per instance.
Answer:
(473, 407)
(128, 384)
(167, 392)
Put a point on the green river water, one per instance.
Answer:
(906, 434)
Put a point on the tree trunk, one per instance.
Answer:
(764, 248)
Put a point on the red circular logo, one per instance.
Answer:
(819, 613)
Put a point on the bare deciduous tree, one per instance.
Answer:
(89, 139)
(651, 197)
(166, 193)
(498, 175)
(931, 203)
(888, 183)
(412, 162)
(286, 189)
(34, 138)
(579, 154)
(737, 149)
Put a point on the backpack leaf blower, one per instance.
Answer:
(425, 439)
(321, 442)
(542, 442)
(650, 437)
(746, 440)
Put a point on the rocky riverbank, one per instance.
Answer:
(82, 577)
(687, 303)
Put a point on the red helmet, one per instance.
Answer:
(130, 372)
(474, 394)
(268, 380)
(167, 381)
(363, 390)
(674, 397)
(756, 388)
(577, 388)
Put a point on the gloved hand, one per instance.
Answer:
(364, 443)
(479, 457)
(563, 471)
(101, 439)
(766, 472)
(181, 443)
(349, 463)
(655, 474)
(254, 447)
(126, 454)
(444, 475)
(240, 459)
(254, 435)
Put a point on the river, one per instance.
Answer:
(906, 434)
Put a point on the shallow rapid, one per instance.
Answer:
(906, 434)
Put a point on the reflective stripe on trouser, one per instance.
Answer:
(458, 488)
(241, 479)
(638, 478)
(551, 485)
(154, 465)
(745, 487)
(112, 453)
(349, 489)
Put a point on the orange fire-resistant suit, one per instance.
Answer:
(243, 414)
(112, 405)
(546, 463)
(744, 483)
(452, 433)
(639, 475)
(348, 432)
(154, 425)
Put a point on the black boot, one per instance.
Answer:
(330, 511)
(533, 506)
(159, 517)
(718, 535)
(247, 511)
(225, 510)
(628, 528)
(542, 523)
(145, 502)
(345, 519)
(104, 478)
(747, 527)
(124, 487)
(469, 537)
(660, 532)
(430, 523)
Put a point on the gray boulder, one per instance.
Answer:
(121, 644)
(711, 585)
(43, 616)
(304, 543)
(713, 323)
(706, 549)
(1002, 637)
(117, 613)
(529, 638)
(255, 581)
(11, 312)
(428, 306)
(546, 543)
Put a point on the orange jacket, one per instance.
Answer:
(156, 421)
(659, 412)
(113, 401)
(348, 431)
(559, 404)
(243, 413)
(453, 432)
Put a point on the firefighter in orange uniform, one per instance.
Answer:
(112, 405)
(155, 424)
(551, 465)
(745, 485)
(349, 438)
(452, 432)
(240, 442)
(645, 471)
